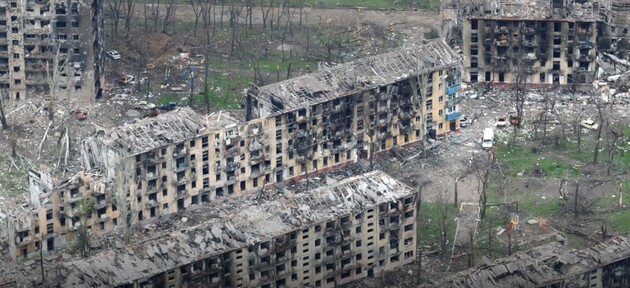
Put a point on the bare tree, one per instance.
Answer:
(482, 166)
(3, 116)
(60, 66)
(115, 7)
(129, 8)
(169, 16)
(155, 13)
(198, 10)
(235, 14)
(613, 134)
(444, 223)
(602, 122)
(265, 13)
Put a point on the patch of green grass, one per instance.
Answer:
(166, 98)
(521, 159)
(618, 220)
(224, 92)
(429, 230)
(534, 206)
(13, 180)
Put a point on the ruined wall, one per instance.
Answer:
(614, 30)
(542, 52)
(327, 254)
(42, 36)
(55, 219)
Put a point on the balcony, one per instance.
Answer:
(584, 44)
(530, 43)
(151, 204)
(528, 31)
(181, 166)
(452, 89)
(502, 43)
(501, 30)
(453, 115)
(584, 58)
(452, 101)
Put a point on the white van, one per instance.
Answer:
(488, 138)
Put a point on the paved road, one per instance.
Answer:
(321, 16)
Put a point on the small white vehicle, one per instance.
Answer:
(589, 124)
(113, 54)
(143, 105)
(502, 121)
(463, 121)
(488, 138)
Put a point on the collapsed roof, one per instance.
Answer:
(167, 128)
(232, 226)
(350, 78)
(541, 266)
(586, 11)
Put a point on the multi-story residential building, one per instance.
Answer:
(40, 37)
(325, 237)
(165, 164)
(614, 29)
(557, 264)
(546, 42)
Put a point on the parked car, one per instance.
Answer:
(463, 121)
(169, 106)
(488, 138)
(126, 79)
(589, 124)
(502, 121)
(113, 54)
(143, 105)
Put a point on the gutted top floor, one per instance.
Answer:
(533, 9)
(347, 79)
(238, 225)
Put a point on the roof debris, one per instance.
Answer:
(230, 227)
(346, 79)
(542, 266)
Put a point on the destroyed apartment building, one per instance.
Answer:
(332, 235)
(162, 165)
(51, 43)
(606, 264)
(542, 42)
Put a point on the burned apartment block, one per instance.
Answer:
(551, 42)
(165, 164)
(39, 37)
(614, 28)
(554, 265)
(365, 106)
(329, 236)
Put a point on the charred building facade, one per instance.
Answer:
(162, 165)
(605, 264)
(326, 237)
(52, 48)
(542, 43)
(614, 28)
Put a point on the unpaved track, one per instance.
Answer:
(420, 18)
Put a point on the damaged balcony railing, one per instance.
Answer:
(453, 115)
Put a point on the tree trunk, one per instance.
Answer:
(3, 117)
(575, 208)
(455, 192)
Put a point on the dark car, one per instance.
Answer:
(168, 107)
